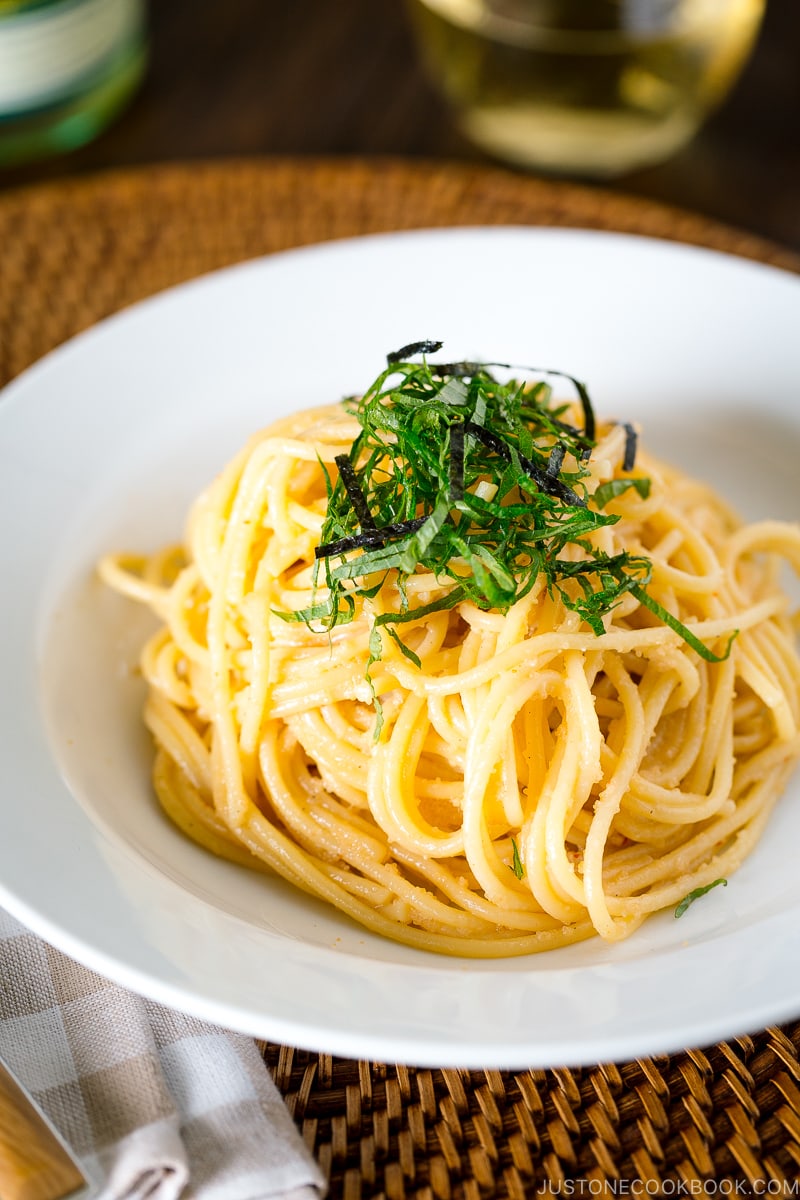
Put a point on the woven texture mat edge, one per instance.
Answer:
(76, 251)
(723, 1120)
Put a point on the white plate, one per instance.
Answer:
(103, 445)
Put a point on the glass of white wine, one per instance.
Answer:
(585, 87)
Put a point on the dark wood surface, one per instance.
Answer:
(341, 77)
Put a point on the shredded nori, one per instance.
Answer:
(631, 439)
(412, 349)
(350, 480)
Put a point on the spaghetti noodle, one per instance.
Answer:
(474, 778)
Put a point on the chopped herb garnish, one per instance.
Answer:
(616, 487)
(482, 484)
(516, 861)
(659, 611)
(696, 894)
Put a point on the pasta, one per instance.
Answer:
(471, 780)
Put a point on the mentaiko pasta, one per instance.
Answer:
(464, 777)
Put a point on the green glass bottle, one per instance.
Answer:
(66, 69)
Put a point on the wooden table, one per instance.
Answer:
(244, 77)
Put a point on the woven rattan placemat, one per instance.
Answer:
(720, 1121)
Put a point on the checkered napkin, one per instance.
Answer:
(154, 1104)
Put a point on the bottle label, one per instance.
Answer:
(51, 50)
